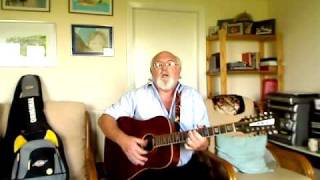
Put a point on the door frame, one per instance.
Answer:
(175, 7)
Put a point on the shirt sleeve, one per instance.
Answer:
(200, 111)
(124, 107)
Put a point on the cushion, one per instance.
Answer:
(245, 153)
(68, 120)
(216, 117)
(229, 104)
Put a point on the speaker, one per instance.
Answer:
(292, 113)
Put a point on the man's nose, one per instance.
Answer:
(164, 66)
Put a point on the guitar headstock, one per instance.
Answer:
(263, 123)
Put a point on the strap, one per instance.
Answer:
(178, 106)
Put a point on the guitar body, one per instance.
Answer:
(163, 142)
(116, 162)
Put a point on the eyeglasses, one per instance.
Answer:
(169, 64)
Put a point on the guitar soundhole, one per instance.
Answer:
(149, 145)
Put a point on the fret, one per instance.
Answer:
(211, 131)
(181, 135)
(229, 128)
(216, 130)
(203, 132)
(176, 138)
(223, 129)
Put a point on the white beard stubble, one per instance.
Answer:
(166, 85)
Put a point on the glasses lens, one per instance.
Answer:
(157, 65)
(170, 64)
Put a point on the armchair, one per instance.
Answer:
(288, 165)
(71, 121)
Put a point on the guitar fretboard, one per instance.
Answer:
(180, 137)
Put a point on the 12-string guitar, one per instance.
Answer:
(163, 142)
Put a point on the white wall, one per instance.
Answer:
(93, 80)
(299, 21)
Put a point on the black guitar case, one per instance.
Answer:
(27, 120)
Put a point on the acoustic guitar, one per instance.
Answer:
(163, 142)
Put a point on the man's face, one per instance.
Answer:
(165, 71)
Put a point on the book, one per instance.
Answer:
(268, 86)
(268, 63)
(214, 63)
(250, 59)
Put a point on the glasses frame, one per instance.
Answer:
(168, 64)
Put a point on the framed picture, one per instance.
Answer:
(99, 7)
(247, 27)
(26, 5)
(223, 23)
(235, 29)
(213, 31)
(265, 26)
(92, 40)
(32, 45)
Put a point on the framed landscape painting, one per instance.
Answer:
(24, 43)
(92, 40)
(26, 5)
(98, 7)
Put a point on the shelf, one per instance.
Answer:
(250, 37)
(247, 71)
(302, 149)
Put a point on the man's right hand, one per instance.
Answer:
(133, 148)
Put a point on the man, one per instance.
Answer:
(158, 98)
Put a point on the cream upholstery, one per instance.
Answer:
(69, 120)
(279, 173)
(285, 159)
(217, 118)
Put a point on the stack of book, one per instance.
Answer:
(238, 65)
(268, 64)
(250, 59)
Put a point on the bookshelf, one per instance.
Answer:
(222, 38)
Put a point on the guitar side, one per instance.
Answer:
(116, 162)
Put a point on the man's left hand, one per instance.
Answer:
(196, 142)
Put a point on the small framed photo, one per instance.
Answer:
(265, 26)
(247, 27)
(213, 31)
(97, 7)
(92, 40)
(26, 5)
(235, 29)
(223, 23)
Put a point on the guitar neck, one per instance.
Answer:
(181, 137)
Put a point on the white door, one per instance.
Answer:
(154, 30)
